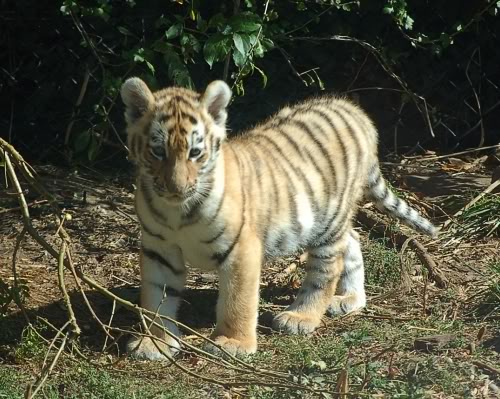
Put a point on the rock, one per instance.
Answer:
(432, 343)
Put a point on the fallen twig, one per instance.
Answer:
(375, 223)
(487, 367)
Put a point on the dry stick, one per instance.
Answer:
(84, 296)
(16, 296)
(487, 367)
(375, 223)
(110, 323)
(53, 342)
(79, 101)
(487, 190)
(434, 158)
(478, 102)
(29, 174)
(384, 64)
(17, 208)
(224, 383)
(46, 371)
(150, 314)
(62, 286)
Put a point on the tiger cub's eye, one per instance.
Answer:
(158, 152)
(195, 152)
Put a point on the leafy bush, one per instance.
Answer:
(83, 49)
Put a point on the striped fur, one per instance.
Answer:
(291, 183)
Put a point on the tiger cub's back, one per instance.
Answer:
(305, 170)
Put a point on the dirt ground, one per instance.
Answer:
(374, 350)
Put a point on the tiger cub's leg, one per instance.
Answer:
(350, 294)
(237, 306)
(324, 267)
(163, 275)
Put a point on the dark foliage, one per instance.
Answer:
(445, 52)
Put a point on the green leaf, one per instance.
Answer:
(242, 43)
(177, 69)
(245, 22)
(409, 23)
(124, 31)
(239, 58)
(216, 48)
(388, 10)
(174, 31)
(264, 76)
(150, 66)
(201, 24)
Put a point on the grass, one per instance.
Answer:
(81, 380)
(490, 302)
(382, 264)
(482, 219)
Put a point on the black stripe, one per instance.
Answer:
(148, 198)
(296, 227)
(334, 134)
(155, 256)
(147, 230)
(323, 257)
(290, 187)
(342, 190)
(181, 100)
(164, 117)
(289, 138)
(172, 292)
(188, 217)
(298, 173)
(256, 165)
(322, 149)
(344, 205)
(214, 238)
(221, 257)
(272, 192)
(189, 116)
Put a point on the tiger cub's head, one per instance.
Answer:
(174, 135)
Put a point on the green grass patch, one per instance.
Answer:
(482, 219)
(81, 380)
(382, 264)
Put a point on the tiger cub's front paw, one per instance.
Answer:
(235, 347)
(295, 323)
(144, 348)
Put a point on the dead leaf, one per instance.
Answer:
(342, 387)
(480, 333)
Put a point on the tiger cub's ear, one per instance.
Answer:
(137, 98)
(215, 100)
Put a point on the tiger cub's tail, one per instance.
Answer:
(386, 201)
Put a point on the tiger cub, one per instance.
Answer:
(291, 183)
